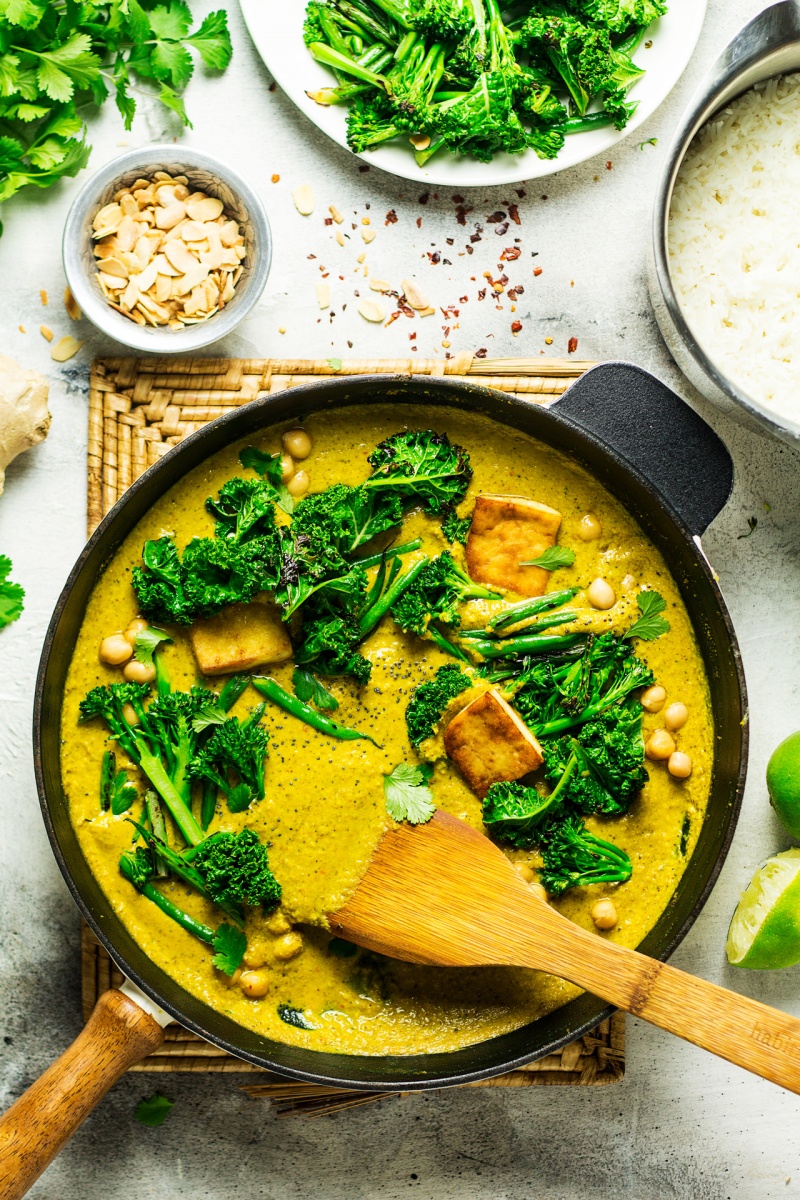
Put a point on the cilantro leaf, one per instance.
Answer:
(26, 13)
(650, 624)
(553, 559)
(212, 41)
(11, 594)
(230, 945)
(153, 1111)
(209, 714)
(123, 793)
(147, 642)
(171, 63)
(172, 20)
(67, 67)
(309, 689)
(408, 798)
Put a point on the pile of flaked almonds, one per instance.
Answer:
(167, 256)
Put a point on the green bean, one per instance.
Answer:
(449, 648)
(155, 815)
(529, 608)
(304, 712)
(107, 772)
(373, 615)
(204, 932)
(374, 560)
(528, 644)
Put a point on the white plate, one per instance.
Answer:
(277, 30)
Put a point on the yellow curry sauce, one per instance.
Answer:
(324, 807)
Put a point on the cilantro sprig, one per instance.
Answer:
(154, 1110)
(11, 594)
(650, 624)
(408, 797)
(55, 58)
(553, 559)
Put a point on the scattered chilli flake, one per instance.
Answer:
(510, 254)
(516, 326)
(391, 217)
(538, 270)
(572, 345)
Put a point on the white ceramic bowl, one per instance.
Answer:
(205, 174)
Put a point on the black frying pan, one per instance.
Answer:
(672, 473)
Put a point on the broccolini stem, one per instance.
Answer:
(449, 647)
(304, 712)
(342, 62)
(595, 120)
(373, 615)
(551, 621)
(190, 924)
(155, 772)
(423, 156)
(374, 560)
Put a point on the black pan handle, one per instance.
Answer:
(657, 433)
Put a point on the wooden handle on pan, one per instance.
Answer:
(118, 1034)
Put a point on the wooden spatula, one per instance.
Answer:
(444, 895)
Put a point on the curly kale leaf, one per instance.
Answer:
(421, 467)
(430, 700)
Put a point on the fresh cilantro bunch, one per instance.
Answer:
(58, 56)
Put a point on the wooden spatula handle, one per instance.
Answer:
(118, 1034)
(743, 1031)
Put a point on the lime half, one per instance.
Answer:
(765, 930)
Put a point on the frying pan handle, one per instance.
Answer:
(658, 434)
(37, 1126)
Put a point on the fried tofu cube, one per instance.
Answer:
(489, 743)
(506, 531)
(240, 637)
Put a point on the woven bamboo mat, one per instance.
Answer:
(138, 410)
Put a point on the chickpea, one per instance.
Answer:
(539, 891)
(589, 529)
(254, 984)
(524, 871)
(136, 627)
(129, 713)
(139, 672)
(287, 467)
(279, 923)
(604, 913)
(679, 765)
(288, 946)
(660, 745)
(257, 954)
(676, 716)
(231, 980)
(601, 594)
(297, 443)
(653, 698)
(299, 484)
(115, 650)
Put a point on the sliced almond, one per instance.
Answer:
(303, 198)
(414, 295)
(180, 189)
(430, 311)
(129, 206)
(337, 216)
(193, 231)
(323, 295)
(46, 332)
(229, 233)
(205, 208)
(72, 306)
(163, 288)
(143, 250)
(165, 195)
(368, 235)
(65, 348)
(185, 283)
(420, 141)
(111, 283)
(127, 233)
(213, 255)
(115, 266)
(227, 290)
(107, 219)
(178, 253)
(371, 311)
(340, 237)
(379, 285)
(165, 267)
(147, 278)
(130, 296)
(166, 218)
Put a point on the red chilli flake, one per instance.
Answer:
(572, 345)
(494, 217)
(391, 217)
(513, 211)
(510, 254)
(461, 214)
(609, 165)
(538, 270)
(424, 198)
(419, 222)
(481, 353)
(516, 326)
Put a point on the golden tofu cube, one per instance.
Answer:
(489, 743)
(508, 530)
(240, 637)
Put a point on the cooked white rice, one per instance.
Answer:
(734, 242)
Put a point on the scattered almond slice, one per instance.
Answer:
(427, 312)
(368, 235)
(337, 216)
(420, 141)
(65, 348)
(414, 295)
(371, 311)
(46, 332)
(379, 285)
(72, 306)
(43, 297)
(303, 198)
(323, 295)
(340, 237)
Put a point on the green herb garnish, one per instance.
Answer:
(11, 594)
(154, 1110)
(408, 797)
(553, 559)
(650, 624)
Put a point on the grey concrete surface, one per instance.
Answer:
(683, 1125)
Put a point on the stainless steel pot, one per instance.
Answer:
(769, 45)
(671, 472)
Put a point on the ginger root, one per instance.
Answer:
(24, 415)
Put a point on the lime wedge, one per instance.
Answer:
(765, 929)
(783, 783)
